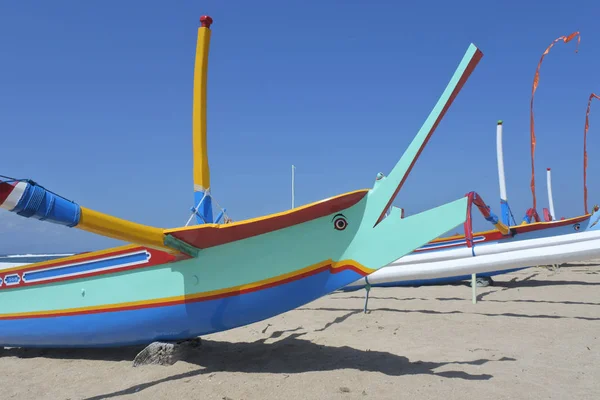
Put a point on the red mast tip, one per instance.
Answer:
(547, 169)
(206, 21)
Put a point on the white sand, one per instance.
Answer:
(534, 335)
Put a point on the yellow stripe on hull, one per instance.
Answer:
(197, 296)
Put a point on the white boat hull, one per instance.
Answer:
(488, 257)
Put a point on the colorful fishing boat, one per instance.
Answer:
(173, 284)
(455, 258)
(488, 253)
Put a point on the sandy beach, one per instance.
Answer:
(533, 335)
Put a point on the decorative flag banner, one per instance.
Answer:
(536, 81)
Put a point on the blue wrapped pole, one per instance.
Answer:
(31, 200)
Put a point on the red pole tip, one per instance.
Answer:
(206, 21)
(547, 169)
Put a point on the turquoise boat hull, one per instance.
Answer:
(184, 282)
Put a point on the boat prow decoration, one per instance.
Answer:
(488, 253)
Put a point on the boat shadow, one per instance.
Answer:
(96, 354)
(530, 282)
(289, 355)
(479, 298)
(435, 312)
(294, 355)
(283, 352)
(579, 264)
(514, 284)
(499, 286)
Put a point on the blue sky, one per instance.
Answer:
(95, 104)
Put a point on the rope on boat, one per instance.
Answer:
(226, 218)
(8, 179)
(512, 216)
(195, 209)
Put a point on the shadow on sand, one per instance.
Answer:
(434, 312)
(515, 283)
(529, 282)
(581, 264)
(479, 297)
(290, 355)
(293, 355)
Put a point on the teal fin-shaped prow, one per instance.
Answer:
(386, 188)
(395, 237)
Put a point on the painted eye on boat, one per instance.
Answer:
(339, 222)
(576, 227)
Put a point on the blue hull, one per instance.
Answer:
(174, 322)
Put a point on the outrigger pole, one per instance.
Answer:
(29, 199)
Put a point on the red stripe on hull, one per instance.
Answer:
(194, 300)
(157, 257)
(498, 236)
(203, 237)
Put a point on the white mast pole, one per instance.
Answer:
(500, 156)
(550, 199)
